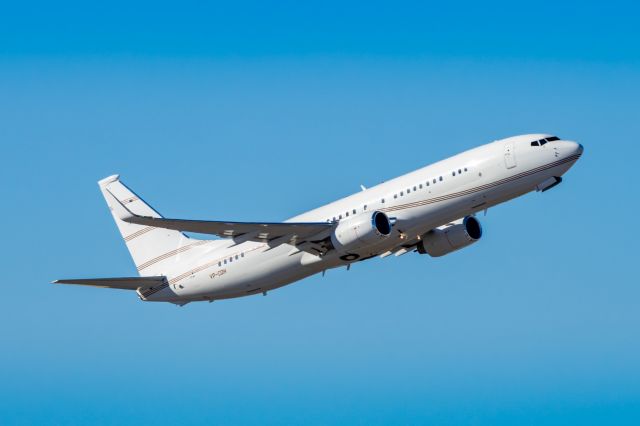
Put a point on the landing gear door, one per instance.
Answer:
(509, 156)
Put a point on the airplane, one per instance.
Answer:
(432, 210)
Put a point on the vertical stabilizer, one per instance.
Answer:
(153, 249)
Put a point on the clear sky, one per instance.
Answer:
(260, 111)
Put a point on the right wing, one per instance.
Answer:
(126, 283)
(295, 233)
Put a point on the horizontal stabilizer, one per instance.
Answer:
(125, 283)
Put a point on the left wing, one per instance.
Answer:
(295, 233)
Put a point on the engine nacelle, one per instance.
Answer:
(450, 237)
(360, 231)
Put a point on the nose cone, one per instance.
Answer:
(573, 149)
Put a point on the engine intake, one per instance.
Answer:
(360, 231)
(451, 237)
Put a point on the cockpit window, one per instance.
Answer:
(541, 142)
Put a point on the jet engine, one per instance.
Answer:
(450, 237)
(360, 231)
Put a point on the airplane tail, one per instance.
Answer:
(153, 249)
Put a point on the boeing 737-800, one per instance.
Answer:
(428, 211)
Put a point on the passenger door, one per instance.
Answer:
(509, 156)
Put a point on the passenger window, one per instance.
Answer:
(236, 257)
(242, 254)
(225, 261)
(383, 201)
(408, 190)
(427, 183)
(415, 189)
(459, 171)
(354, 211)
(465, 169)
(347, 214)
(340, 217)
(420, 186)
(453, 173)
(434, 180)
(402, 193)
(365, 207)
(395, 195)
(440, 178)
(219, 264)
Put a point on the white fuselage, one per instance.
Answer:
(417, 202)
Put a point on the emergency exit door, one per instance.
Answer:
(509, 156)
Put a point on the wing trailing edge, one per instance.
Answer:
(284, 232)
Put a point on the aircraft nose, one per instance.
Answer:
(574, 148)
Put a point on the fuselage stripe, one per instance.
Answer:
(479, 188)
(184, 275)
(139, 233)
(170, 254)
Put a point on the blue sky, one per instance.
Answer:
(260, 112)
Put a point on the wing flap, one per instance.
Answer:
(122, 283)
